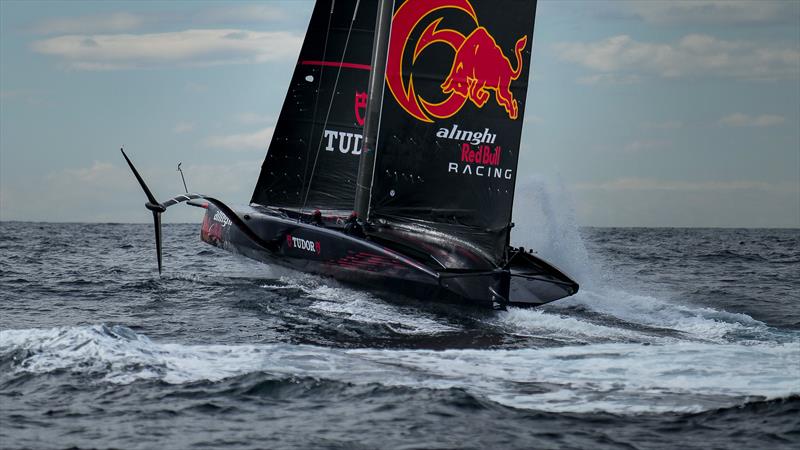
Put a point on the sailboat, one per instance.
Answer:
(394, 159)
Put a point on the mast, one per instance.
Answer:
(375, 99)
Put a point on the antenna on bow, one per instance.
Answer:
(182, 178)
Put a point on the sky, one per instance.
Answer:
(640, 113)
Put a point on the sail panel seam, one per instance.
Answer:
(316, 97)
(330, 104)
(337, 64)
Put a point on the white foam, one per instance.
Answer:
(360, 306)
(560, 327)
(625, 317)
(118, 355)
(545, 222)
(697, 323)
(370, 311)
(618, 377)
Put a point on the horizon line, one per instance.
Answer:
(732, 227)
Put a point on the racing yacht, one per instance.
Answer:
(394, 159)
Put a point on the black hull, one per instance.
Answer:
(329, 251)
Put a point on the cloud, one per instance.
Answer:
(244, 13)
(99, 23)
(195, 88)
(29, 96)
(666, 125)
(692, 55)
(715, 12)
(533, 119)
(192, 48)
(609, 78)
(244, 141)
(121, 21)
(645, 145)
(654, 202)
(744, 120)
(99, 172)
(249, 118)
(105, 192)
(183, 127)
(233, 181)
(652, 184)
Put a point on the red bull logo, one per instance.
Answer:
(479, 66)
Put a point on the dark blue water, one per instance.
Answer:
(679, 338)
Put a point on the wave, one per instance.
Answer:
(621, 378)
(546, 223)
(693, 322)
(616, 309)
(332, 299)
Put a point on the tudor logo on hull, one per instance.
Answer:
(480, 69)
(303, 244)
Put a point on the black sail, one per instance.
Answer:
(313, 157)
(451, 122)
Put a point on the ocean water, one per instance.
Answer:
(679, 338)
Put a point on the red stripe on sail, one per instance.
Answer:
(336, 64)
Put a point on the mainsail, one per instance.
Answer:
(313, 157)
(451, 122)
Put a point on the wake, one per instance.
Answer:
(618, 378)
(606, 309)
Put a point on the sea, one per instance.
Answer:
(678, 338)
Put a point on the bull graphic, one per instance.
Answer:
(480, 65)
